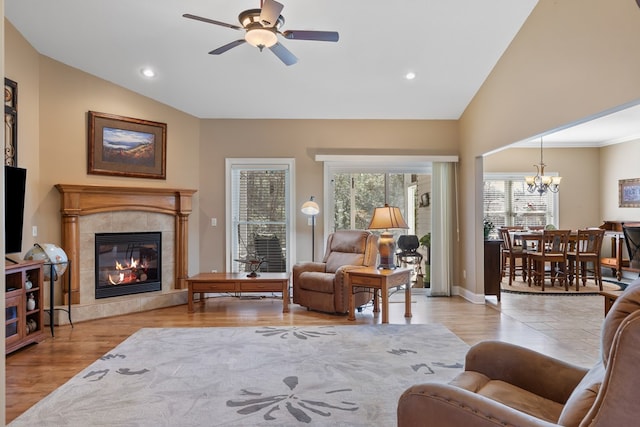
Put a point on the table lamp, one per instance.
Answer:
(385, 218)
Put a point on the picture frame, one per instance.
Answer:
(629, 193)
(125, 146)
(10, 122)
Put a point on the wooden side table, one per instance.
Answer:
(369, 277)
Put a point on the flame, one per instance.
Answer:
(129, 272)
(120, 279)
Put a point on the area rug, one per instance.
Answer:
(519, 286)
(258, 376)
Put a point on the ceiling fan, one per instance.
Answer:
(262, 27)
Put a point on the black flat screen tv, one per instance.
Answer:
(15, 180)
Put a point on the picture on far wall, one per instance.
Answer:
(629, 193)
(124, 146)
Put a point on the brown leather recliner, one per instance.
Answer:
(507, 385)
(321, 285)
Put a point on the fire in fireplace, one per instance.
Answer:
(127, 263)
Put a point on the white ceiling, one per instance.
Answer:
(451, 45)
(609, 127)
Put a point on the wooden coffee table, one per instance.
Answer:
(370, 277)
(239, 283)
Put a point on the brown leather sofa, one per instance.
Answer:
(507, 385)
(321, 285)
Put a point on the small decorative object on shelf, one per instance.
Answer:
(32, 326)
(31, 303)
(28, 284)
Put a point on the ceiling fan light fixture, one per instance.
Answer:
(261, 37)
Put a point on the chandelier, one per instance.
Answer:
(540, 183)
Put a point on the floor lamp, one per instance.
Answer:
(311, 208)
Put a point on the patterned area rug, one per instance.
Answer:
(259, 376)
(519, 286)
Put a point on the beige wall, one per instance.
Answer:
(572, 59)
(22, 66)
(52, 136)
(301, 140)
(619, 161)
(580, 170)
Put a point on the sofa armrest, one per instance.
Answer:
(437, 404)
(525, 368)
(307, 266)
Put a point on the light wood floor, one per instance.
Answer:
(563, 326)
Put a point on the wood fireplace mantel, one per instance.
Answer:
(79, 200)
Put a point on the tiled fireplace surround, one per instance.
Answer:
(87, 210)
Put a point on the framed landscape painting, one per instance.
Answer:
(629, 193)
(124, 146)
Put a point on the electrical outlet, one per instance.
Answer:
(309, 221)
(34, 231)
(214, 222)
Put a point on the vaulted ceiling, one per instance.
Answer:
(450, 45)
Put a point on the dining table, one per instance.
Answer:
(531, 240)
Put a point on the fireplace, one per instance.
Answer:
(127, 263)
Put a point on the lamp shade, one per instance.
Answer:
(387, 217)
(310, 207)
(384, 218)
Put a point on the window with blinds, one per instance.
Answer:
(507, 202)
(260, 209)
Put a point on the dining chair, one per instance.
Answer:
(511, 253)
(585, 253)
(552, 250)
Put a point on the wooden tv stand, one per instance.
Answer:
(617, 263)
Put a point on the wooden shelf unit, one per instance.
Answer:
(18, 320)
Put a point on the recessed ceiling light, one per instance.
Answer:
(410, 75)
(148, 72)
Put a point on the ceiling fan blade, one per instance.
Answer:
(323, 36)
(270, 12)
(211, 21)
(284, 54)
(226, 47)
